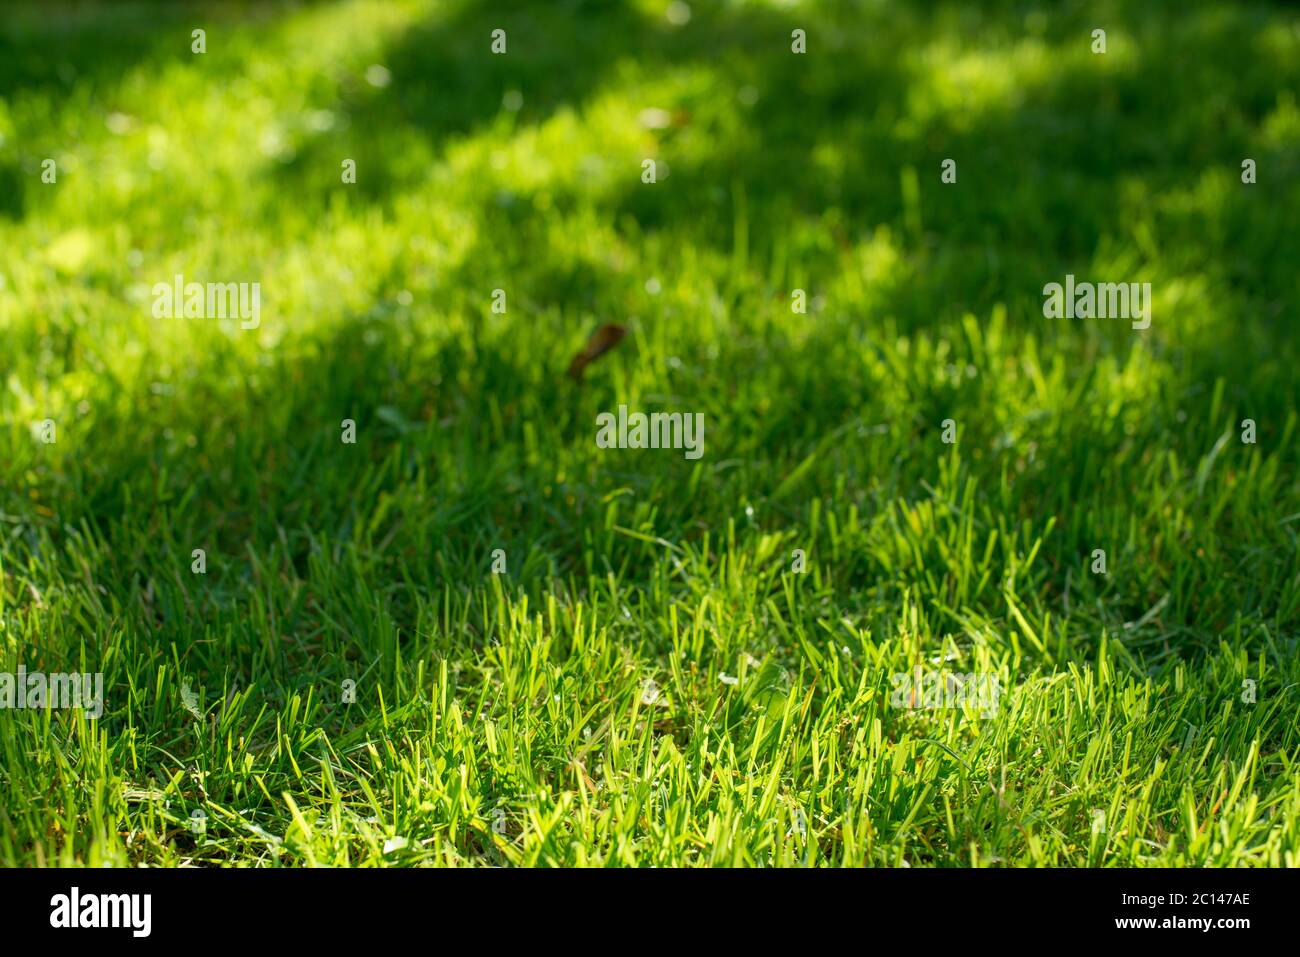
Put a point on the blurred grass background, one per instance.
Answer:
(522, 172)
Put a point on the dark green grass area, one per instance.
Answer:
(651, 680)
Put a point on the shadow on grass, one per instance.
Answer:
(1054, 171)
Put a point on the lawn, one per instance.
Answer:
(472, 635)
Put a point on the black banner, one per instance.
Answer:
(338, 908)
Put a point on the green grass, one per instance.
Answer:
(509, 719)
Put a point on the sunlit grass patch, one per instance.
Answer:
(562, 654)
